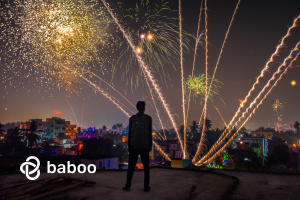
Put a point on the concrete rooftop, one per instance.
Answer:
(165, 184)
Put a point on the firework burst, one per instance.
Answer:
(197, 87)
(52, 37)
(155, 33)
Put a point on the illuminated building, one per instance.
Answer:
(243, 145)
(172, 148)
(267, 135)
(55, 125)
(71, 131)
(24, 126)
(258, 144)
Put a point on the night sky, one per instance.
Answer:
(257, 29)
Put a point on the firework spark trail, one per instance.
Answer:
(207, 94)
(160, 136)
(206, 85)
(147, 70)
(150, 91)
(73, 112)
(261, 75)
(273, 77)
(182, 81)
(261, 101)
(111, 87)
(212, 79)
(251, 79)
(201, 115)
(158, 133)
(268, 83)
(161, 151)
(195, 54)
(220, 115)
(221, 139)
(110, 98)
(81, 115)
(105, 94)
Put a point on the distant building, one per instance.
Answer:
(102, 162)
(172, 148)
(71, 131)
(243, 146)
(24, 126)
(267, 135)
(54, 126)
(294, 162)
(258, 145)
(273, 143)
(72, 149)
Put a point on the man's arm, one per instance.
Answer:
(150, 135)
(129, 135)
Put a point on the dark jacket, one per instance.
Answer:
(149, 122)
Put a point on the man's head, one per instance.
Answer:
(140, 106)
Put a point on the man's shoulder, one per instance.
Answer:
(145, 115)
(148, 116)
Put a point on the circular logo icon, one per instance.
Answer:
(35, 170)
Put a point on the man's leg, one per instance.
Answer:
(133, 157)
(145, 161)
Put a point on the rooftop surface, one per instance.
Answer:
(165, 184)
(263, 186)
(176, 184)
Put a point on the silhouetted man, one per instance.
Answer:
(139, 143)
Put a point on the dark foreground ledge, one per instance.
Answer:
(165, 184)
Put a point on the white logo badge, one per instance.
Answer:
(36, 168)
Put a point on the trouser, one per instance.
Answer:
(133, 157)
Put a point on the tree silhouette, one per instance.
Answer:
(30, 137)
(297, 127)
(180, 129)
(97, 147)
(104, 128)
(13, 142)
(121, 152)
(1, 129)
(208, 125)
(194, 127)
